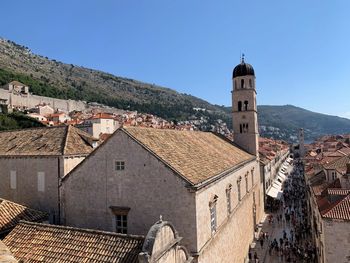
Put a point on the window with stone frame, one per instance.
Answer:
(41, 181)
(228, 198)
(121, 218)
(119, 165)
(239, 188)
(213, 217)
(13, 179)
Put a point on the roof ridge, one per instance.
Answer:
(32, 128)
(336, 204)
(92, 231)
(3, 201)
(65, 140)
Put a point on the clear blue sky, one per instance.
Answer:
(300, 49)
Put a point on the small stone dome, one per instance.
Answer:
(243, 69)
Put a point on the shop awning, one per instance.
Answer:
(282, 176)
(274, 193)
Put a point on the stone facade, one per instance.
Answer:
(336, 241)
(162, 245)
(148, 188)
(244, 108)
(33, 162)
(29, 173)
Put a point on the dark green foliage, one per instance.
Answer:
(289, 119)
(17, 120)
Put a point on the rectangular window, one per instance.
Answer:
(121, 224)
(41, 181)
(213, 217)
(119, 165)
(13, 179)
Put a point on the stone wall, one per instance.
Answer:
(146, 186)
(26, 191)
(337, 241)
(30, 101)
(235, 230)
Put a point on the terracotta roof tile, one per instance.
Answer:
(11, 213)
(33, 242)
(197, 156)
(340, 210)
(5, 254)
(45, 141)
(339, 164)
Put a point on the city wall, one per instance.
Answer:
(30, 101)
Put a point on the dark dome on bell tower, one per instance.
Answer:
(243, 69)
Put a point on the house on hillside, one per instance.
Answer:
(58, 117)
(209, 188)
(99, 124)
(33, 162)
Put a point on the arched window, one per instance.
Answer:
(228, 198)
(239, 188)
(242, 83)
(250, 83)
(240, 128)
(240, 106)
(245, 105)
(212, 209)
(246, 183)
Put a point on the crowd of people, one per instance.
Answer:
(293, 243)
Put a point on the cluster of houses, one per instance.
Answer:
(327, 173)
(98, 120)
(68, 197)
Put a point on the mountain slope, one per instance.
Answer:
(285, 121)
(55, 79)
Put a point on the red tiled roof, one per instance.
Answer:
(102, 116)
(338, 191)
(64, 140)
(340, 210)
(11, 213)
(33, 242)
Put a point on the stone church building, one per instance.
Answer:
(208, 186)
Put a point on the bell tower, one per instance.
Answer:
(244, 108)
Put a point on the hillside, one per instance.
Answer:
(52, 78)
(55, 79)
(284, 122)
(17, 121)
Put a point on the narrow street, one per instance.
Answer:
(285, 232)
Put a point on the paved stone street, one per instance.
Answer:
(287, 230)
